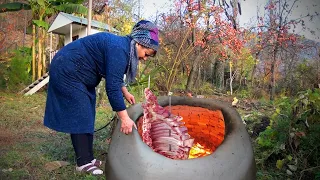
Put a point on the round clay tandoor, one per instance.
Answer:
(228, 158)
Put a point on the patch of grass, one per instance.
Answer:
(11, 159)
(58, 147)
(269, 175)
(28, 145)
(20, 112)
(15, 174)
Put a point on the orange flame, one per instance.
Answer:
(197, 150)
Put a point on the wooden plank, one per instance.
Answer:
(37, 87)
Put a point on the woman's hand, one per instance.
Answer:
(126, 122)
(129, 97)
(126, 125)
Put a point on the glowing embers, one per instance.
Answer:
(199, 151)
(205, 126)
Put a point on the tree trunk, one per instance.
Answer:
(39, 52)
(204, 75)
(212, 68)
(192, 73)
(273, 74)
(44, 64)
(33, 52)
(271, 87)
(231, 78)
(241, 74)
(254, 70)
(274, 53)
(194, 65)
(220, 75)
(198, 77)
(24, 29)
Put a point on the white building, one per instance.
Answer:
(73, 28)
(76, 27)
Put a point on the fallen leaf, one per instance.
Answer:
(300, 134)
(279, 164)
(292, 135)
(292, 167)
(289, 172)
(235, 101)
(50, 166)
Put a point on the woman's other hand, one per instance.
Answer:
(126, 122)
(126, 125)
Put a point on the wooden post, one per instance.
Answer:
(33, 52)
(51, 55)
(70, 32)
(89, 18)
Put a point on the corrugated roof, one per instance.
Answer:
(96, 24)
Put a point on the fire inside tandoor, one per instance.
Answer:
(207, 127)
(180, 132)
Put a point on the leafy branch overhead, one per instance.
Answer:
(16, 6)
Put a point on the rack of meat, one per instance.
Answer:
(164, 132)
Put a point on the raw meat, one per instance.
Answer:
(163, 132)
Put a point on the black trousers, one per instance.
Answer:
(83, 147)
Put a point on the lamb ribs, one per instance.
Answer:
(163, 132)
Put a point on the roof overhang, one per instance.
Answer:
(61, 24)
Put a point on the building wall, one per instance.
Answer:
(81, 33)
(12, 27)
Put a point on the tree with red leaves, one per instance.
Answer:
(214, 30)
(275, 34)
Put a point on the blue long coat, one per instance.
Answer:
(75, 71)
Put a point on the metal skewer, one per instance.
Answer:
(170, 93)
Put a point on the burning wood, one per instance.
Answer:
(198, 150)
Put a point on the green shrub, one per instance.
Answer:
(180, 83)
(291, 141)
(243, 93)
(18, 72)
(205, 88)
(3, 69)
